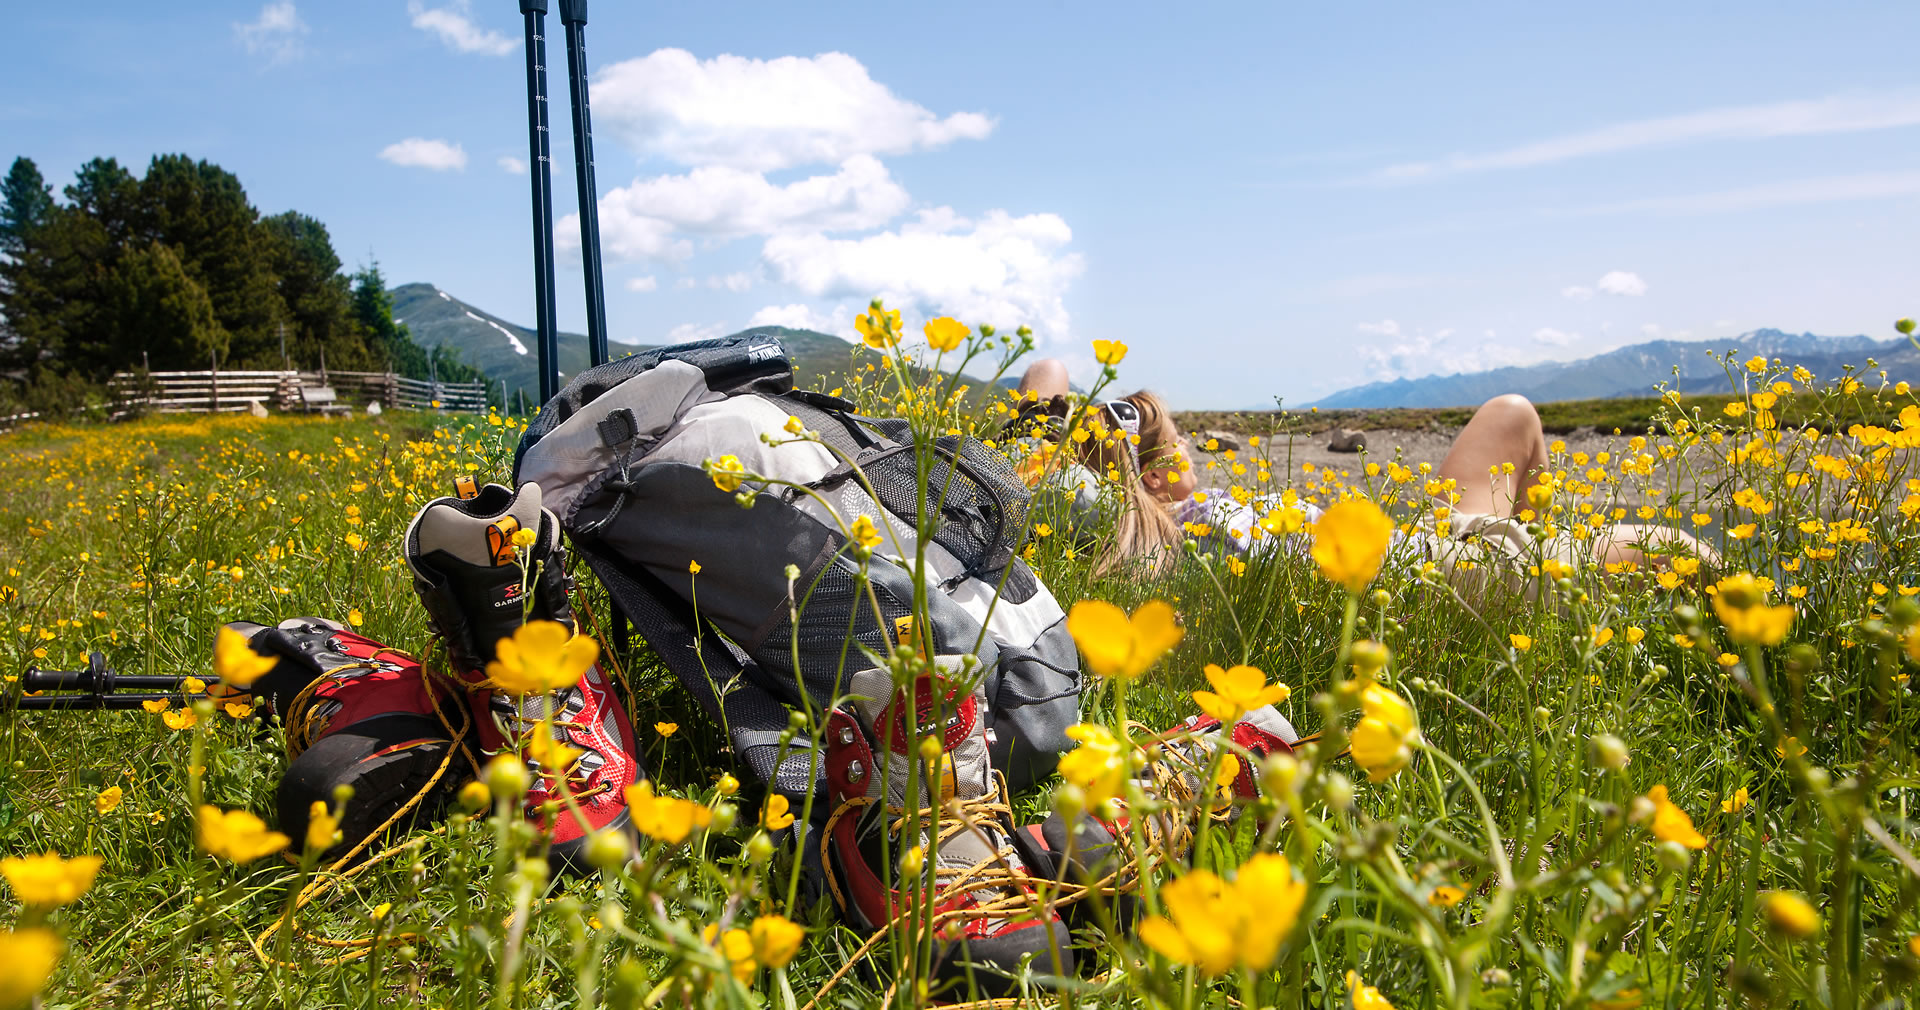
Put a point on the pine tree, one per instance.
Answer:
(26, 201)
(318, 300)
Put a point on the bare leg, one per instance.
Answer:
(1622, 542)
(1504, 432)
(1045, 378)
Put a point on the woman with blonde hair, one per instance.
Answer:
(1496, 459)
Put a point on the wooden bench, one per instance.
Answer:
(323, 399)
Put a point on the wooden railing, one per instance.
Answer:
(226, 392)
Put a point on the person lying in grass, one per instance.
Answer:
(1495, 481)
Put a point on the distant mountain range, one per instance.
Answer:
(1634, 370)
(506, 351)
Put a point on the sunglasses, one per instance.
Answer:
(1126, 417)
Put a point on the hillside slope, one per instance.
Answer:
(1634, 371)
(506, 351)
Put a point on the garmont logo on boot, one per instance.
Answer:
(509, 596)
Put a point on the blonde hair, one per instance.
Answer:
(1143, 530)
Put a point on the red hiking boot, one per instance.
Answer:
(469, 575)
(982, 933)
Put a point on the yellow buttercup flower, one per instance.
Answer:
(865, 533)
(945, 333)
(1349, 542)
(879, 327)
(774, 816)
(1236, 692)
(1790, 914)
(541, 656)
(1754, 624)
(737, 945)
(1756, 364)
(666, 728)
(1446, 896)
(1520, 643)
(180, 718)
(355, 617)
(1118, 646)
(235, 662)
(1735, 803)
(776, 940)
(1670, 823)
(237, 835)
(549, 753)
(726, 472)
(1382, 741)
(1109, 352)
(323, 829)
(693, 568)
(1364, 996)
(1098, 766)
(108, 801)
(48, 880)
(524, 537)
(236, 710)
(156, 706)
(30, 956)
(1217, 926)
(665, 818)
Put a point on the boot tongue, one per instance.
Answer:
(446, 525)
(934, 706)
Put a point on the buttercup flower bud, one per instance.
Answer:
(1609, 751)
(475, 797)
(1369, 657)
(1338, 792)
(1672, 855)
(608, 850)
(507, 776)
(759, 849)
(1641, 810)
(1278, 774)
(724, 816)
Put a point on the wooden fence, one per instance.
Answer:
(225, 392)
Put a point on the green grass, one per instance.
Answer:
(125, 538)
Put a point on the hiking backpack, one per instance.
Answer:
(618, 455)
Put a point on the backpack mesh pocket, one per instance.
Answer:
(977, 503)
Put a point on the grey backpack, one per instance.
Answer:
(618, 455)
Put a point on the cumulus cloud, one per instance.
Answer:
(1613, 282)
(1621, 282)
(763, 115)
(1839, 114)
(1005, 270)
(453, 24)
(647, 283)
(1554, 338)
(275, 34)
(512, 165)
(800, 316)
(419, 152)
(689, 332)
(647, 218)
(1405, 355)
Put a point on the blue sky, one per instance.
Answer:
(1261, 200)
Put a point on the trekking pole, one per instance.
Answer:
(98, 688)
(573, 13)
(540, 167)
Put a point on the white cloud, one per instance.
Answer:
(1005, 270)
(1652, 331)
(800, 317)
(1407, 355)
(1826, 189)
(512, 165)
(454, 25)
(1622, 282)
(647, 283)
(762, 115)
(735, 282)
(419, 152)
(718, 202)
(688, 332)
(1839, 114)
(1555, 338)
(275, 33)
(1577, 292)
